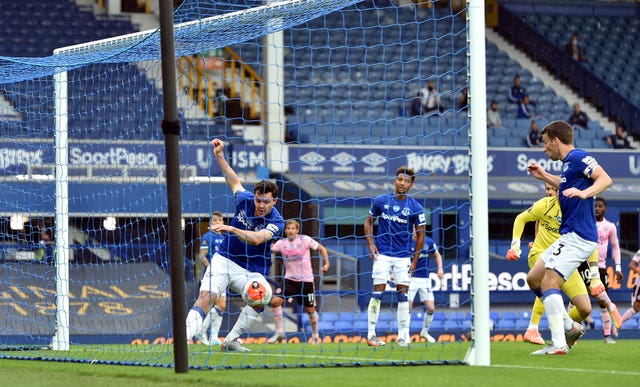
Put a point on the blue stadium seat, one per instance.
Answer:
(505, 325)
(507, 315)
(451, 325)
(522, 324)
(457, 316)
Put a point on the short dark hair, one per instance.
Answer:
(601, 199)
(560, 130)
(265, 186)
(406, 171)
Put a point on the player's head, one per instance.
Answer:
(550, 190)
(557, 136)
(265, 196)
(600, 208)
(404, 179)
(291, 228)
(216, 218)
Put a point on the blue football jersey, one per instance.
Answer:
(211, 241)
(422, 268)
(578, 215)
(253, 258)
(396, 220)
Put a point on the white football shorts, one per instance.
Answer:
(567, 253)
(422, 287)
(384, 265)
(223, 273)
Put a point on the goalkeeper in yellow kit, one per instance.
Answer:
(547, 215)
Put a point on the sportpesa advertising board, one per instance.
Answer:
(326, 172)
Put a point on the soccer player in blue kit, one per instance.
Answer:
(245, 251)
(210, 244)
(420, 284)
(582, 179)
(393, 252)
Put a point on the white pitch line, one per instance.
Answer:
(308, 356)
(580, 370)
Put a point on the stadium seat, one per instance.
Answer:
(507, 315)
(505, 325)
(450, 325)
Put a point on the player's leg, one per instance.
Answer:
(211, 335)
(206, 296)
(309, 303)
(380, 274)
(609, 308)
(400, 269)
(534, 278)
(532, 334)
(277, 302)
(197, 314)
(635, 307)
(237, 280)
(576, 290)
(561, 259)
(425, 294)
(278, 319)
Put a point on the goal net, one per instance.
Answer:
(328, 109)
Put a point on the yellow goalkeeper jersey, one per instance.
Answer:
(546, 212)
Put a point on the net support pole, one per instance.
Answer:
(479, 354)
(61, 338)
(171, 131)
(274, 118)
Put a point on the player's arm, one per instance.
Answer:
(229, 174)
(518, 228)
(615, 252)
(419, 232)
(537, 171)
(203, 256)
(251, 237)
(368, 233)
(601, 181)
(325, 256)
(438, 257)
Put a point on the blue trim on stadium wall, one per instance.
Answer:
(335, 174)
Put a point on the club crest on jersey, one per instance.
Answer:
(406, 211)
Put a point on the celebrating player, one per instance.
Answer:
(298, 277)
(210, 244)
(607, 233)
(546, 213)
(397, 214)
(582, 178)
(421, 284)
(244, 251)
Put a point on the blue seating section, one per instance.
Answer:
(609, 42)
(443, 321)
(350, 78)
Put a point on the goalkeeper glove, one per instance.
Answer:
(514, 252)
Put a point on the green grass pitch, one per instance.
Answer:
(591, 362)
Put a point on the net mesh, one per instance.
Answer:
(351, 71)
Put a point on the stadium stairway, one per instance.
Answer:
(546, 78)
